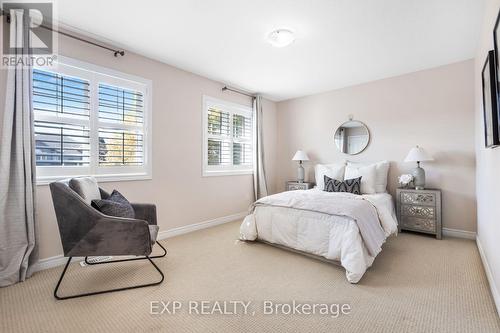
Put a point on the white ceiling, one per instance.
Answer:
(339, 42)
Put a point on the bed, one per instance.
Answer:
(341, 227)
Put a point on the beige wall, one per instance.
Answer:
(182, 195)
(487, 161)
(432, 108)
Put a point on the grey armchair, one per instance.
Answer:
(85, 232)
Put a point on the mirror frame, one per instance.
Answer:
(367, 143)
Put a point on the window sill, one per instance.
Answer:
(100, 178)
(215, 173)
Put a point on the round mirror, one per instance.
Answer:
(352, 137)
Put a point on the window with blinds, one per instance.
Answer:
(58, 144)
(120, 105)
(228, 134)
(120, 147)
(61, 105)
(121, 143)
(242, 136)
(54, 93)
(90, 121)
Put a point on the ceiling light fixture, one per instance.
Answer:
(281, 37)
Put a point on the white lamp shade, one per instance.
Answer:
(418, 154)
(300, 156)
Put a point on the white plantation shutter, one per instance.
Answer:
(242, 140)
(121, 132)
(228, 145)
(91, 121)
(218, 122)
(219, 140)
(119, 105)
(58, 144)
(120, 147)
(61, 105)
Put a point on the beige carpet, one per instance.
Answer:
(417, 284)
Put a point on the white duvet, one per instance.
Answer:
(333, 237)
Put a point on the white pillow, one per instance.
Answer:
(334, 171)
(381, 169)
(86, 187)
(367, 174)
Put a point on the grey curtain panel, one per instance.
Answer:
(18, 251)
(259, 174)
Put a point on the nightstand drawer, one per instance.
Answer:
(425, 212)
(293, 187)
(412, 198)
(418, 224)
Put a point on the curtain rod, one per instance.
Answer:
(238, 91)
(115, 52)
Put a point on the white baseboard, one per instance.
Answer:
(51, 262)
(489, 276)
(198, 226)
(59, 260)
(456, 233)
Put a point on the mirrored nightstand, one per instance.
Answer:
(419, 210)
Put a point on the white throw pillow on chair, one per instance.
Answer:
(367, 174)
(86, 187)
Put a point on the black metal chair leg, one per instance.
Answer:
(130, 259)
(109, 290)
(61, 278)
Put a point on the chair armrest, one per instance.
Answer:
(115, 236)
(146, 212)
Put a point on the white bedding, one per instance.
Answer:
(330, 236)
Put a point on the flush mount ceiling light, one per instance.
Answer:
(281, 37)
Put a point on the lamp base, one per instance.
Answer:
(300, 174)
(419, 178)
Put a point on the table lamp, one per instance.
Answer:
(418, 154)
(300, 156)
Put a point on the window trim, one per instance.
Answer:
(101, 173)
(234, 108)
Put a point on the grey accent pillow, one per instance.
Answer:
(115, 205)
(349, 185)
(86, 187)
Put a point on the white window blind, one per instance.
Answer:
(123, 143)
(54, 93)
(120, 147)
(227, 143)
(62, 109)
(59, 144)
(91, 121)
(120, 105)
(242, 140)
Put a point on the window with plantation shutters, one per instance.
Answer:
(227, 140)
(119, 105)
(120, 147)
(54, 93)
(91, 120)
(61, 104)
(121, 143)
(60, 144)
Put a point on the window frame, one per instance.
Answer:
(96, 75)
(231, 108)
